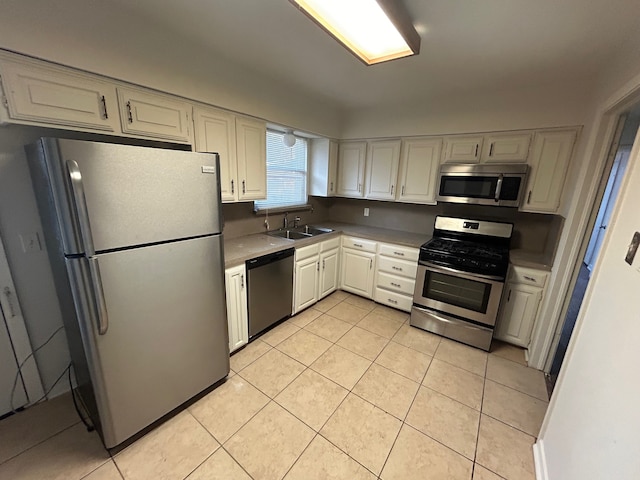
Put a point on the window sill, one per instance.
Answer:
(292, 208)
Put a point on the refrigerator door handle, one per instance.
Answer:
(77, 188)
(96, 281)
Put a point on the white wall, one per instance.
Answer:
(500, 109)
(591, 429)
(99, 37)
(31, 272)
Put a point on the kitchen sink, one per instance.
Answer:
(298, 233)
(289, 234)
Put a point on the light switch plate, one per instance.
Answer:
(633, 248)
(30, 242)
(366, 211)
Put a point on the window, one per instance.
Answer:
(286, 173)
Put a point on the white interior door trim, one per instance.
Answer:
(18, 330)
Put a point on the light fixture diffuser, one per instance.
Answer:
(374, 30)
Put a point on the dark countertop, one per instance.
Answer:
(240, 249)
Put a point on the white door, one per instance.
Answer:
(251, 150)
(235, 284)
(357, 272)
(382, 169)
(15, 349)
(419, 170)
(351, 160)
(306, 283)
(216, 132)
(328, 273)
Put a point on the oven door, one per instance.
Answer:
(469, 296)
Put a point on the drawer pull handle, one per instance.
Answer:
(104, 106)
(129, 112)
(400, 254)
(359, 245)
(395, 284)
(531, 279)
(395, 302)
(232, 188)
(397, 268)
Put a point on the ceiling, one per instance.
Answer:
(467, 46)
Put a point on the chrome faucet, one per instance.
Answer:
(296, 222)
(285, 221)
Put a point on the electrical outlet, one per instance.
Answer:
(366, 211)
(30, 242)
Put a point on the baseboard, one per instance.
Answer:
(539, 460)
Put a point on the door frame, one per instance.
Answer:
(18, 331)
(596, 154)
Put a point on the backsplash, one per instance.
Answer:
(535, 233)
(239, 218)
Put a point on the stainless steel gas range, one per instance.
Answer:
(461, 274)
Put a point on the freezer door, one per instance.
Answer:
(131, 195)
(167, 336)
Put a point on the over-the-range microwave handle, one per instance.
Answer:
(80, 202)
(498, 187)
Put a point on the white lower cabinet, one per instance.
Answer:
(316, 273)
(235, 284)
(358, 266)
(396, 275)
(520, 304)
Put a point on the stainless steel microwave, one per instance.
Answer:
(499, 185)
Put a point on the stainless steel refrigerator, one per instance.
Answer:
(134, 237)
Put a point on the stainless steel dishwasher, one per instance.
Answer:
(269, 289)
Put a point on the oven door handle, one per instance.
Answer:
(499, 187)
(433, 266)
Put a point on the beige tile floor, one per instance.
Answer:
(345, 390)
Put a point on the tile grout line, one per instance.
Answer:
(475, 451)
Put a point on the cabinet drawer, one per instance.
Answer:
(397, 284)
(396, 251)
(359, 244)
(395, 300)
(306, 252)
(398, 267)
(528, 276)
(330, 244)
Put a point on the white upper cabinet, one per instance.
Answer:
(506, 148)
(351, 164)
(323, 167)
(419, 170)
(251, 149)
(43, 95)
(548, 164)
(215, 131)
(383, 157)
(153, 115)
(462, 149)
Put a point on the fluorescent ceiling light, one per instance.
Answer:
(374, 30)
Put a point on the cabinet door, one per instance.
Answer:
(382, 162)
(48, 96)
(419, 170)
(506, 148)
(236, 307)
(306, 282)
(549, 162)
(154, 115)
(251, 138)
(328, 273)
(357, 272)
(216, 132)
(462, 149)
(351, 161)
(518, 314)
(323, 168)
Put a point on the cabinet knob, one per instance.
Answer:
(232, 187)
(244, 190)
(129, 112)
